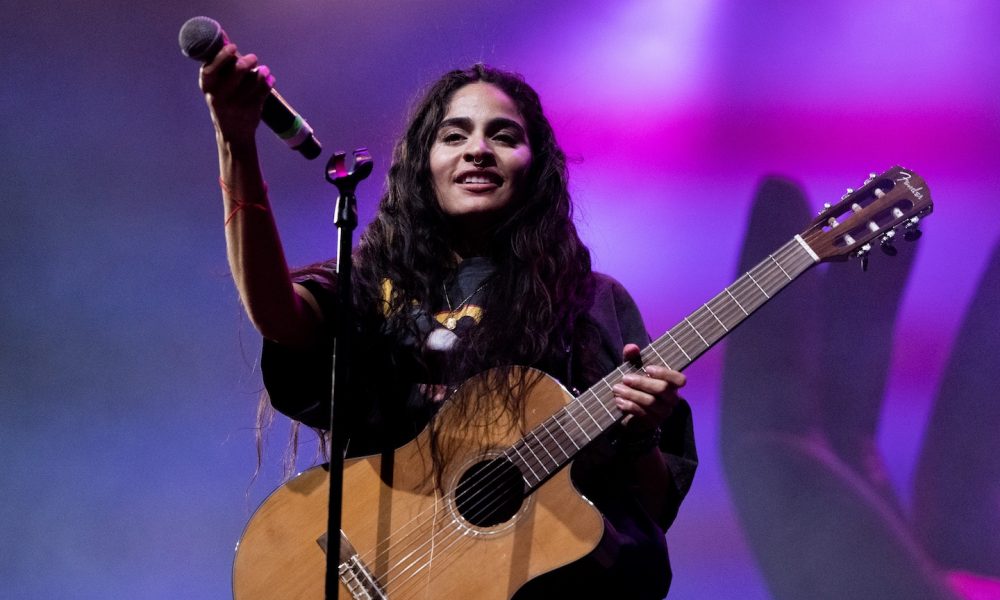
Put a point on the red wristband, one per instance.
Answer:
(239, 205)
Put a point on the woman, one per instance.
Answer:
(472, 262)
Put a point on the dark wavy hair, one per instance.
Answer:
(542, 277)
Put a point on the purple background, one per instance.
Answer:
(127, 371)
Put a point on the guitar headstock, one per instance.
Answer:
(897, 199)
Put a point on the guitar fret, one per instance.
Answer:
(569, 435)
(737, 302)
(678, 346)
(771, 256)
(526, 443)
(534, 434)
(707, 307)
(609, 413)
(584, 407)
(601, 402)
(543, 470)
(688, 321)
(545, 426)
(758, 285)
(653, 348)
(569, 414)
(723, 310)
(749, 294)
(526, 465)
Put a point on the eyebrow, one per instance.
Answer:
(494, 124)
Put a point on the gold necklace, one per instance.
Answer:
(451, 322)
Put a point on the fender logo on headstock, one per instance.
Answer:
(904, 178)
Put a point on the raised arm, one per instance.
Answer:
(235, 89)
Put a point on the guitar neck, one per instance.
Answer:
(553, 444)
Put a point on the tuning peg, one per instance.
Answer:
(887, 245)
(862, 253)
(871, 178)
(912, 232)
(847, 193)
(826, 206)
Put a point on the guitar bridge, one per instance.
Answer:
(359, 580)
(353, 573)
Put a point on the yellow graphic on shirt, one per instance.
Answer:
(448, 318)
(386, 296)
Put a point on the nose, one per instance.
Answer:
(479, 152)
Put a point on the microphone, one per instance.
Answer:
(201, 38)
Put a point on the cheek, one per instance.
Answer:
(439, 173)
(523, 165)
(436, 165)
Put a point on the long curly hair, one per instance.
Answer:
(542, 277)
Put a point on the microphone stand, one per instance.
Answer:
(346, 220)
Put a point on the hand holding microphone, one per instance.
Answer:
(240, 93)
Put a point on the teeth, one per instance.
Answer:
(476, 179)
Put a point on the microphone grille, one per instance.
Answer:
(201, 38)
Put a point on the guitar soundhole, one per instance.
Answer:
(490, 492)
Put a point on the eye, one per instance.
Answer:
(451, 137)
(507, 137)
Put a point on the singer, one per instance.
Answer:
(472, 262)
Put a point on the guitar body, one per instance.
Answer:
(414, 539)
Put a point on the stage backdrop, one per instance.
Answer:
(128, 374)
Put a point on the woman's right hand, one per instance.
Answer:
(235, 88)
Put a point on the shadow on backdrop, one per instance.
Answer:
(803, 387)
(957, 489)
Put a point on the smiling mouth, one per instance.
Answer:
(479, 178)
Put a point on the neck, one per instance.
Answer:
(469, 239)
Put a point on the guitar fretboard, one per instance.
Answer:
(553, 443)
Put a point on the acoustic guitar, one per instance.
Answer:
(502, 510)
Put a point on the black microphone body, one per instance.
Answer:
(201, 38)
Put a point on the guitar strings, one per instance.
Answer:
(697, 318)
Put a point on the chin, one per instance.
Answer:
(476, 207)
